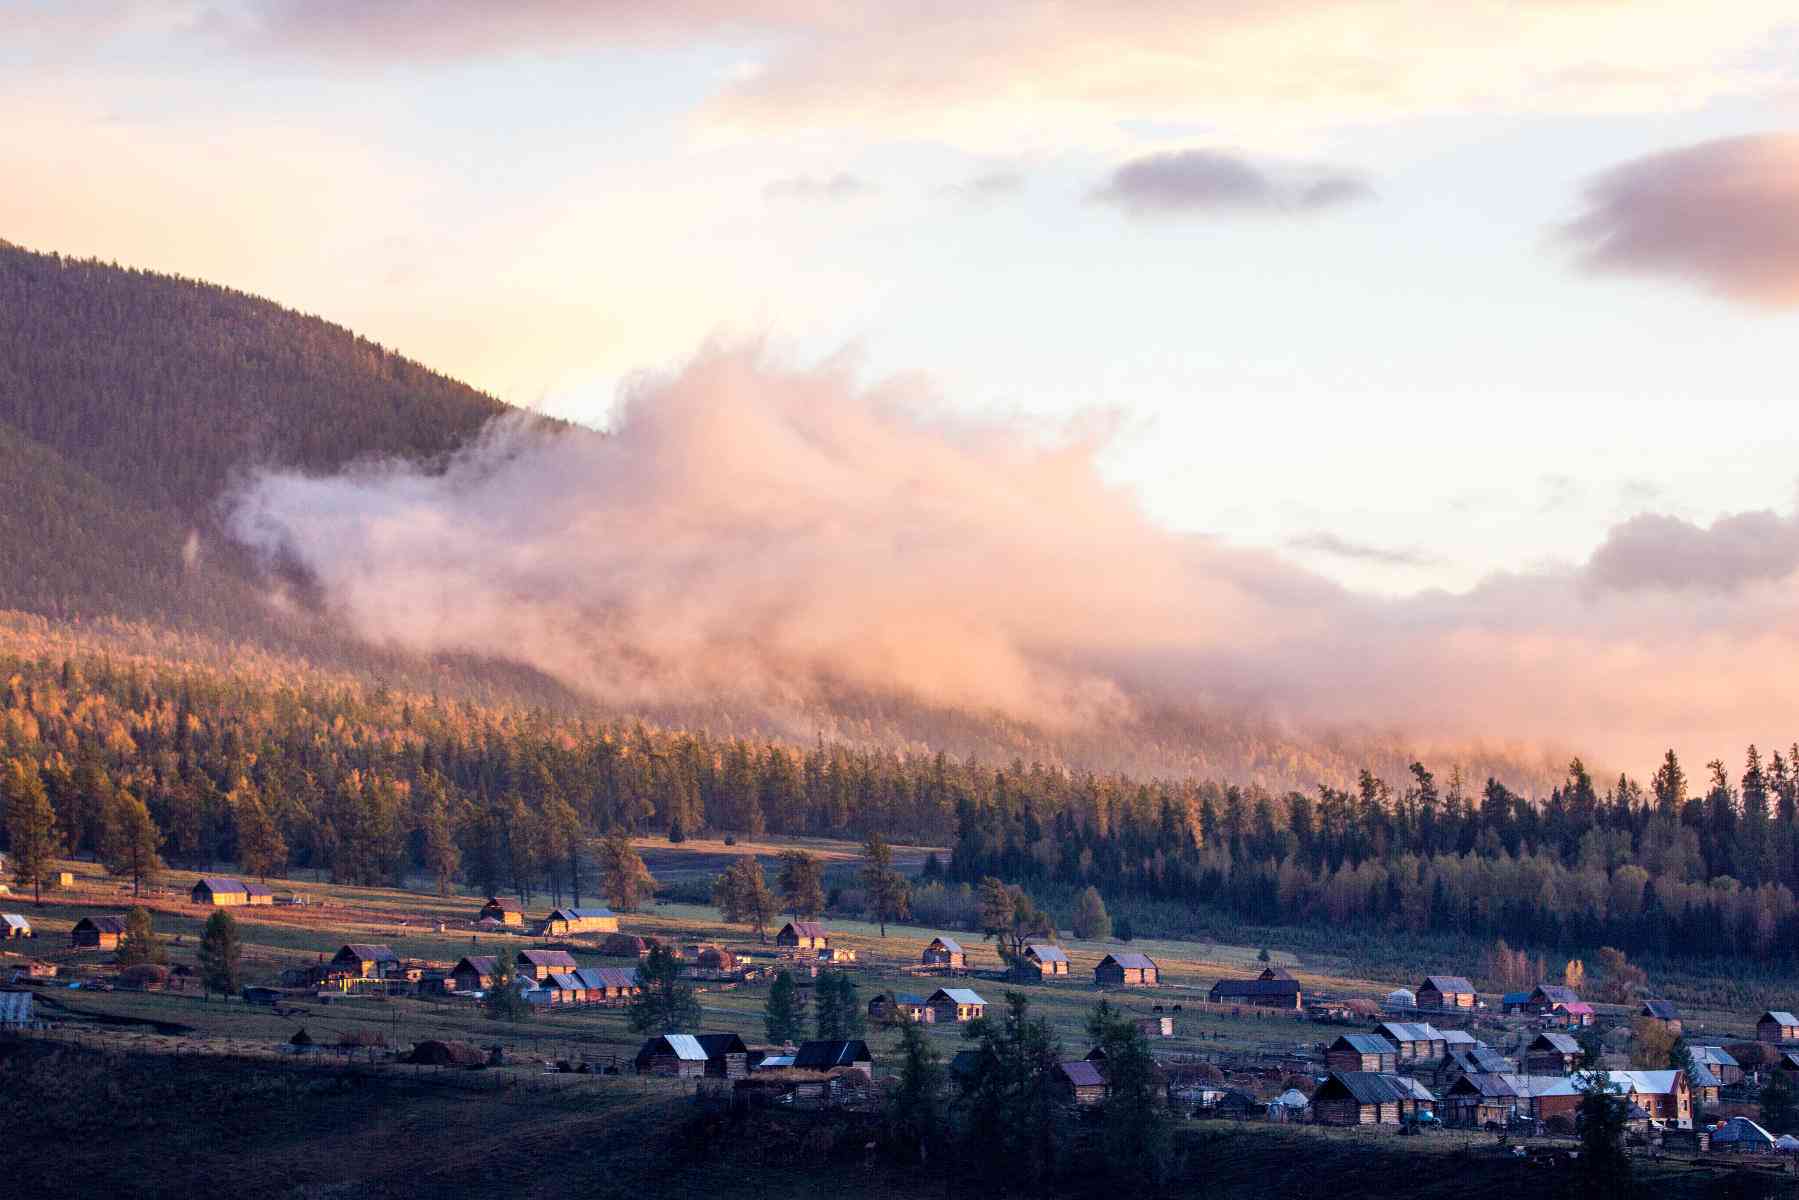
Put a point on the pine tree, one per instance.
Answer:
(261, 850)
(1091, 921)
(130, 842)
(889, 894)
(32, 834)
(784, 1017)
(914, 1107)
(140, 943)
(625, 878)
(1136, 1131)
(802, 883)
(503, 1000)
(442, 856)
(827, 1010)
(220, 954)
(741, 894)
(665, 1004)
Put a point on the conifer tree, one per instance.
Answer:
(140, 943)
(802, 883)
(220, 954)
(784, 1017)
(889, 894)
(130, 843)
(32, 834)
(1091, 921)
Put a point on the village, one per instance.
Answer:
(390, 980)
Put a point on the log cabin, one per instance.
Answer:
(899, 1007)
(1045, 960)
(538, 964)
(502, 909)
(1552, 1054)
(676, 1055)
(1777, 1026)
(473, 973)
(564, 921)
(944, 952)
(102, 933)
(803, 935)
(1257, 993)
(1445, 991)
(830, 1055)
(1370, 1098)
(1416, 1041)
(951, 1005)
(1126, 969)
(1368, 1052)
(1079, 1083)
(362, 960)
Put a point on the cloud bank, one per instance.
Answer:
(1722, 214)
(1208, 181)
(765, 537)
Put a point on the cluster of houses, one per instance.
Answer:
(503, 913)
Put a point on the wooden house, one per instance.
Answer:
(503, 910)
(1370, 1098)
(1482, 1101)
(1723, 1064)
(102, 933)
(1577, 1015)
(944, 952)
(1547, 998)
(1417, 1042)
(830, 1055)
(898, 1007)
(1663, 1011)
(1777, 1026)
(1079, 1083)
(956, 1004)
(13, 925)
(473, 973)
(678, 1055)
(803, 935)
(1552, 1054)
(1258, 993)
(1478, 1059)
(627, 945)
(726, 1055)
(564, 921)
(1660, 1095)
(562, 987)
(1705, 1084)
(1126, 969)
(1043, 960)
(1445, 991)
(538, 964)
(1367, 1052)
(609, 985)
(219, 891)
(361, 960)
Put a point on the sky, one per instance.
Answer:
(1417, 299)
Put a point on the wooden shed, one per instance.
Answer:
(726, 1055)
(1777, 1026)
(1257, 993)
(102, 933)
(674, 1054)
(362, 960)
(539, 964)
(1416, 1041)
(564, 921)
(951, 1005)
(1079, 1082)
(1127, 969)
(473, 973)
(1043, 960)
(219, 891)
(944, 952)
(1481, 1101)
(803, 935)
(1370, 1098)
(1445, 991)
(1552, 1054)
(502, 909)
(609, 984)
(830, 1055)
(1362, 1052)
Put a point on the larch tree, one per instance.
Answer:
(742, 895)
(130, 843)
(802, 883)
(625, 878)
(32, 833)
(442, 855)
(889, 892)
(140, 943)
(261, 849)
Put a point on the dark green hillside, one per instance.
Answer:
(161, 387)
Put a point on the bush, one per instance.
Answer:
(730, 839)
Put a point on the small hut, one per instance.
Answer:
(103, 933)
(541, 964)
(950, 1005)
(1043, 960)
(564, 921)
(678, 1055)
(1362, 1052)
(1126, 969)
(1080, 1082)
(503, 910)
(944, 952)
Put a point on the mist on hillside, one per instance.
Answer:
(786, 543)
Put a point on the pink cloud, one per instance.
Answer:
(1722, 214)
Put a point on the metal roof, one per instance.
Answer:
(257, 889)
(1557, 993)
(1480, 1060)
(1654, 1083)
(1784, 1018)
(482, 964)
(504, 904)
(548, 958)
(1255, 987)
(958, 996)
(684, 1046)
(1702, 1076)
(1081, 1073)
(822, 1056)
(1447, 984)
(221, 883)
(715, 1044)
(1410, 1031)
(1366, 1043)
(579, 913)
(1460, 1037)
(110, 923)
(1375, 1087)
(950, 944)
(811, 929)
(1131, 959)
(15, 921)
(1561, 1043)
(1514, 998)
(1713, 1056)
(1044, 952)
(1661, 1010)
(365, 952)
(607, 977)
(562, 981)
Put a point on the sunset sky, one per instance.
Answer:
(1409, 292)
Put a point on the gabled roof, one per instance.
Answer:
(957, 996)
(554, 959)
(809, 929)
(1556, 993)
(480, 964)
(1702, 1076)
(1045, 952)
(1713, 1056)
(367, 952)
(607, 977)
(504, 904)
(1449, 985)
(1255, 987)
(822, 1056)
(1654, 1083)
(562, 981)
(1365, 1043)
(1479, 1060)
(1561, 1043)
(901, 998)
(1460, 1037)
(1130, 959)
(1578, 1007)
(1081, 1073)
(1375, 1087)
(683, 1046)
(110, 923)
(1273, 972)
(221, 885)
(257, 889)
(1782, 1017)
(1410, 1031)
(1661, 1010)
(15, 921)
(949, 944)
(570, 914)
(716, 1044)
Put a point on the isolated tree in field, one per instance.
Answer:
(130, 843)
(140, 943)
(784, 1017)
(802, 883)
(666, 1004)
(221, 954)
(742, 896)
(915, 1107)
(261, 850)
(1010, 918)
(889, 892)
(503, 1001)
(31, 830)
(627, 880)
(1136, 1133)
(1091, 921)
(1262, 955)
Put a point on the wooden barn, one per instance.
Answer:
(1367, 1052)
(539, 964)
(1370, 1098)
(103, 933)
(1258, 993)
(896, 1006)
(726, 1055)
(564, 921)
(1043, 960)
(473, 973)
(830, 1055)
(1777, 1026)
(1079, 1083)
(1445, 991)
(803, 935)
(1126, 969)
(1552, 1054)
(950, 1005)
(220, 891)
(1663, 1011)
(679, 1055)
(361, 960)
(1482, 1101)
(627, 945)
(502, 909)
(944, 952)
(607, 985)
(1416, 1041)
(1546, 999)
